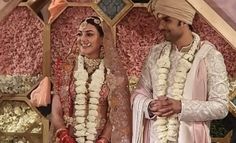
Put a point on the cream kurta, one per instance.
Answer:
(196, 109)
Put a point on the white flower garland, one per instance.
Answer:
(167, 128)
(86, 126)
(13, 139)
(17, 117)
(16, 84)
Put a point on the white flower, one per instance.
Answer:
(80, 113)
(163, 71)
(178, 86)
(91, 118)
(161, 82)
(80, 107)
(80, 139)
(91, 125)
(167, 128)
(80, 89)
(17, 117)
(91, 137)
(95, 87)
(188, 57)
(162, 76)
(80, 132)
(92, 130)
(93, 112)
(94, 94)
(94, 101)
(15, 84)
(18, 111)
(80, 101)
(87, 130)
(81, 75)
(179, 79)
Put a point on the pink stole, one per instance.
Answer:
(200, 93)
(196, 89)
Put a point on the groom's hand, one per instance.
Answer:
(159, 106)
(173, 108)
(164, 106)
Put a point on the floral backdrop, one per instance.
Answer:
(20, 51)
(142, 33)
(21, 44)
(21, 56)
(140, 28)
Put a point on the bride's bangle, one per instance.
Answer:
(59, 131)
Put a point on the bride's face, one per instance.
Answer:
(89, 40)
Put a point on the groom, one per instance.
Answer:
(183, 84)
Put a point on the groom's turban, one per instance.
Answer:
(179, 9)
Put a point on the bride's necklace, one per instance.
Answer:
(91, 64)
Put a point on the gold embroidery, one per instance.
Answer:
(91, 64)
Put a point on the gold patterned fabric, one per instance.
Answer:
(119, 99)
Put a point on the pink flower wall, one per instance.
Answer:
(21, 39)
(136, 34)
(141, 33)
(21, 43)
